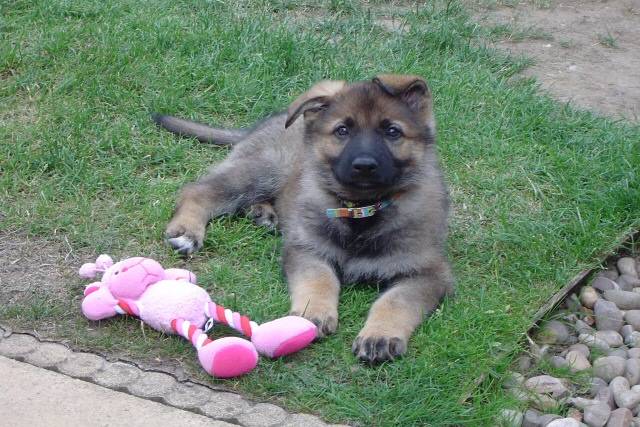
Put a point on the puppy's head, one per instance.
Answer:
(368, 138)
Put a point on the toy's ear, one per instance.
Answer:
(103, 262)
(88, 271)
(315, 99)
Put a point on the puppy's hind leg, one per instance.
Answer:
(231, 186)
(264, 215)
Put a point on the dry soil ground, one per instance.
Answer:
(585, 51)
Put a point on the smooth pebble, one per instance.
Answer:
(580, 348)
(588, 296)
(511, 418)
(597, 415)
(602, 284)
(611, 273)
(624, 300)
(613, 338)
(621, 417)
(590, 340)
(632, 317)
(558, 362)
(620, 352)
(609, 367)
(633, 339)
(596, 384)
(627, 265)
(605, 395)
(622, 393)
(531, 418)
(548, 385)
(554, 332)
(577, 361)
(627, 282)
(564, 422)
(513, 380)
(608, 316)
(632, 371)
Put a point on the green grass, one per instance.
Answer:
(514, 33)
(608, 40)
(539, 190)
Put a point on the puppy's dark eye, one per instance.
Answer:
(341, 131)
(393, 132)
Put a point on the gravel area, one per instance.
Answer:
(583, 367)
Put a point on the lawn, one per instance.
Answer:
(539, 190)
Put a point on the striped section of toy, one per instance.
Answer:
(276, 338)
(233, 319)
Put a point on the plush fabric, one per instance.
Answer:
(170, 299)
(171, 302)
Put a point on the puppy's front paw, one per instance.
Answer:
(376, 349)
(184, 240)
(326, 322)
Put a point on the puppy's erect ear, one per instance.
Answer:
(412, 90)
(315, 99)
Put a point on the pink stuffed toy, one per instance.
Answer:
(171, 302)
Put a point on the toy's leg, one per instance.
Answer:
(223, 358)
(274, 339)
(233, 319)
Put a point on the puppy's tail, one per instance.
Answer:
(201, 132)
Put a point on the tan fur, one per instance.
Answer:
(288, 163)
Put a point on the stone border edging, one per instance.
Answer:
(162, 387)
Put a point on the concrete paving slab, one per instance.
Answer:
(31, 396)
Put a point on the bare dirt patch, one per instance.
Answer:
(585, 51)
(34, 275)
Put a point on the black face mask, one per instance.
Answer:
(365, 162)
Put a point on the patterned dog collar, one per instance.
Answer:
(362, 212)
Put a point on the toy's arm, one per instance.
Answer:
(126, 306)
(98, 303)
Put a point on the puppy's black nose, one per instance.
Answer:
(364, 165)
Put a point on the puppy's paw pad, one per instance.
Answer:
(374, 349)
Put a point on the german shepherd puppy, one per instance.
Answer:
(358, 194)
